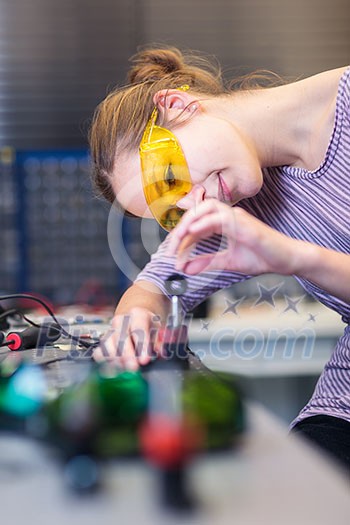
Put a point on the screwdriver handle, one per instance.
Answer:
(33, 337)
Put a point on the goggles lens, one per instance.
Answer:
(165, 174)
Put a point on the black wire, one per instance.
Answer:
(68, 359)
(29, 320)
(8, 313)
(21, 315)
(6, 343)
(50, 312)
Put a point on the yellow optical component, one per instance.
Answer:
(165, 174)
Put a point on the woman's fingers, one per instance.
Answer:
(188, 219)
(205, 263)
(129, 342)
(214, 223)
(187, 243)
(131, 353)
(253, 247)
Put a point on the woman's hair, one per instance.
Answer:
(120, 119)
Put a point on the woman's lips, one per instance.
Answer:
(224, 191)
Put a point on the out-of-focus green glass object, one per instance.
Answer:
(124, 404)
(123, 397)
(101, 414)
(215, 402)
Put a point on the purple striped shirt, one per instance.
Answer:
(309, 205)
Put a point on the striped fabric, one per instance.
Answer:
(310, 205)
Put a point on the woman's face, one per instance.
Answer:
(223, 164)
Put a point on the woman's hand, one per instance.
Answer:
(252, 247)
(131, 339)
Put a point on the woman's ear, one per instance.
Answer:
(174, 102)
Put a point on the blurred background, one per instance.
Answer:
(59, 59)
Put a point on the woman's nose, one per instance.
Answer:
(195, 196)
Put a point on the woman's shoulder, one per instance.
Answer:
(329, 74)
(328, 83)
(329, 91)
(336, 73)
(339, 81)
(319, 90)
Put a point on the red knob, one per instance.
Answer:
(168, 442)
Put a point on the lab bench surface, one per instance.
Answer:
(271, 479)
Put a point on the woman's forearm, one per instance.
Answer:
(328, 269)
(144, 294)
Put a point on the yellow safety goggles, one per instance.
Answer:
(165, 174)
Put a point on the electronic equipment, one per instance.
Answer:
(167, 412)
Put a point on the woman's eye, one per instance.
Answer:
(169, 176)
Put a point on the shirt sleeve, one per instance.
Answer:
(200, 286)
(344, 89)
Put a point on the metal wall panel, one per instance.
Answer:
(291, 38)
(56, 60)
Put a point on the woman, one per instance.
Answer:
(265, 168)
